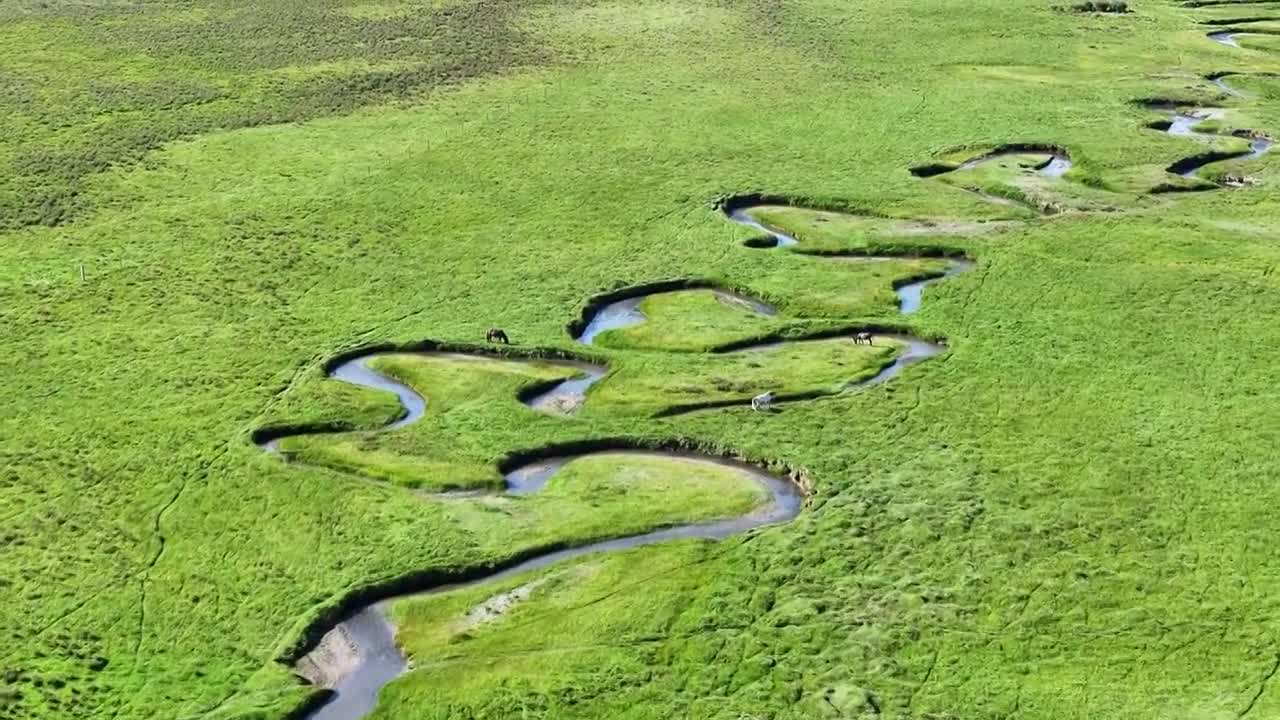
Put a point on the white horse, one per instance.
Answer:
(862, 337)
(762, 401)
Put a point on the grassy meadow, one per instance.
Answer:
(1068, 515)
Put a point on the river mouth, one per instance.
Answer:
(358, 655)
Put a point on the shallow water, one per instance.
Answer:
(358, 372)
(368, 629)
(620, 314)
(626, 313)
(1183, 124)
(1056, 166)
(742, 216)
(1221, 83)
(915, 350)
(1224, 38)
(378, 661)
(571, 392)
(911, 295)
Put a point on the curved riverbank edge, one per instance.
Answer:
(266, 434)
(1220, 82)
(790, 489)
(597, 303)
(309, 633)
(1188, 165)
(737, 208)
(882, 251)
(1226, 29)
(1056, 153)
(914, 350)
(1219, 22)
(730, 204)
(1216, 3)
(1183, 116)
(781, 398)
(1224, 37)
(789, 335)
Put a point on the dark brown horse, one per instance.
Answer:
(497, 335)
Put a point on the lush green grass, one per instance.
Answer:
(1067, 516)
(647, 383)
(643, 492)
(432, 454)
(92, 85)
(690, 320)
(833, 232)
(520, 660)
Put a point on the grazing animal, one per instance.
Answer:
(762, 401)
(862, 337)
(497, 335)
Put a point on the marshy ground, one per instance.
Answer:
(1065, 515)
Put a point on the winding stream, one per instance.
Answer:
(1183, 123)
(1220, 81)
(742, 215)
(626, 312)
(559, 397)
(1056, 166)
(910, 296)
(358, 656)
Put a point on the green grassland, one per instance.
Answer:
(689, 320)
(442, 451)
(650, 382)
(1069, 515)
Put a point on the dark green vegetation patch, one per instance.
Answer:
(88, 86)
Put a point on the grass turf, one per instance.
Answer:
(1066, 517)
